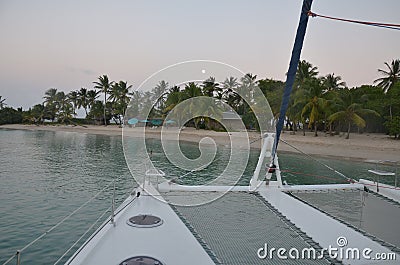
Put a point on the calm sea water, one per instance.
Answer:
(44, 176)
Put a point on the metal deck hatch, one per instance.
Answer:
(141, 260)
(145, 221)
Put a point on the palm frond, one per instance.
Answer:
(340, 115)
(357, 120)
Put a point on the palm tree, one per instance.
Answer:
(37, 114)
(92, 96)
(273, 91)
(294, 111)
(74, 99)
(173, 89)
(390, 77)
(230, 95)
(119, 97)
(125, 93)
(351, 112)
(306, 75)
(135, 107)
(249, 80)
(332, 82)
(314, 103)
(245, 92)
(159, 94)
(65, 109)
(230, 84)
(191, 90)
(210, 87)
(50, 95)
(83, 99)
(305, 71)
(96, 111)
(205, 111)
(2, 104)
(332, 105)
(119, 92)
(173, 99)
(50, 103)
(104, 85)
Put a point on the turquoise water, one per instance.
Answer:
(45, 175)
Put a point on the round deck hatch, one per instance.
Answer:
(141, 260)
(145, 220)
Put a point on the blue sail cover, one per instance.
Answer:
(291, 75)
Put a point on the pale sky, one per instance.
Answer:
(68, 44)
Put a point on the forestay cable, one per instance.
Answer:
(367, 23)
(321, 163)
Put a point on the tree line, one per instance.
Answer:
(325, 103)
(61, 107)
(318, 103)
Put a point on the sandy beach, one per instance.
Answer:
(359, 147)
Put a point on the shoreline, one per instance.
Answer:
(360, 147)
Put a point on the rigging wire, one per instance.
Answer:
(205, 166)
(60, 222)
(295, 173)
(83, 235)
(319, 162)
(367, 23)
(350, 180)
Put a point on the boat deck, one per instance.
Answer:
(229, 230)
(170, 243)
(238, 224)
(322, 228)
(361, 210)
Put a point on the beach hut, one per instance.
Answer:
(232, 121)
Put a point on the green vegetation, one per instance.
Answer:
(10, 116)
(104, 85)
(2, 104)
(318, 103)
(393, 126)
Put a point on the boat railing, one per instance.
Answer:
(17, 255)
(83, 235)
(379, 171)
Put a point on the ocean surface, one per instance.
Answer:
(45, 176)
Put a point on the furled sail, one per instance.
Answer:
(294, 61)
